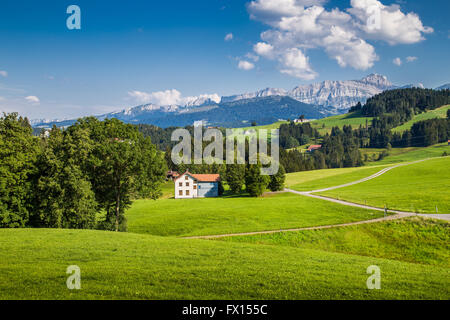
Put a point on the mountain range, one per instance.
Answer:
(315, 100)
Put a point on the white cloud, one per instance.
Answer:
(3, 73)
(32, 99)
(139, 96)
(349, 50)
(411, 59)
(245, 65)
(343, 34)
(397, 61)
(264, 49)
(171, 97)
(393, 26)
(296, 64)
(229, 37)
(273, 10)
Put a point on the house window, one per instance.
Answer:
(187, 184)
(186, 178)
(187, 192)
(195, 186)
(180, 184)
(180, 192)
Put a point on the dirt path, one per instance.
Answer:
(393, 217)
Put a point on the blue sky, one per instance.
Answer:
(165, 51)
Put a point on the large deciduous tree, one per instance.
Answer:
(122, 165)
(18, 150)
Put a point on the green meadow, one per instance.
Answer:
(33, 265)
(418, 187)
(431, 114)
(354, 119)
(416, 240)
(397, 155)
(196, 217)
(318, 179)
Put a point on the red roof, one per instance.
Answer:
(314, 147)
(207, 177)
(213, 177)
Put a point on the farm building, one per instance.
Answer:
(172, 175)
(314, 147)
(190, 185)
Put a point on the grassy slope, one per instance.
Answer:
(131, 266)
(313, 180)
(354, 119)
(436, 113)
(418, 187)
(413, 153)
(414, 240)
(172, 217)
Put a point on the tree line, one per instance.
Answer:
(83, 177)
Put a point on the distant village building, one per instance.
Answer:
(190, 185)
(314, 147)
(172, 175)
(302, 120)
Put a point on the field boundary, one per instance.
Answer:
(392, 217)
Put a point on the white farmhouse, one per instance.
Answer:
(190, 185)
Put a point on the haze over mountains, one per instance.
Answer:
(266, 106)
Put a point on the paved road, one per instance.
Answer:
(379, 173)
(346, 203)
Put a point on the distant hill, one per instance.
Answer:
(266, 106)
(443, 87)
(262, 110)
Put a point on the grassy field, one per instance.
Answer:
(397, 155)
(416, 240)
(318, 179)
(33, 265)
(354, 119)
(417, 187)
(432, 114)
(274, 125)
(168, 190)
(211, 216)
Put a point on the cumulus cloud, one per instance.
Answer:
(228, 37)
(264, 49)
(3, 73)
(296, 64)
(32, 99)
(245, 65)
(397, 61)
(343, 34)
(349, 50)
(411, 59)
(170, 97)
(388, 23)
